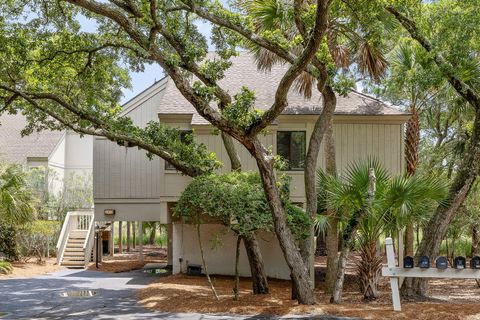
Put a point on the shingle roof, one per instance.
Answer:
(244, 72)
(15, 148)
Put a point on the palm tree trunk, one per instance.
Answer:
(348, 238)
(369, 269)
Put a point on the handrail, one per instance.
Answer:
(88, 244)
(90, 227)
(64, 228)
(72, 221)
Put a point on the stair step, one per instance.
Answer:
(75, 245)
(74, 249)
(73, 254)
(72, 264)
(73, 259)
(78, 233)
(75, 240)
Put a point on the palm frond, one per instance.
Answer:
(371, 61)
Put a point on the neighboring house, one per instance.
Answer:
(63, 153)
(139, 189)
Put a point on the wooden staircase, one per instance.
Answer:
(74, 255)
(76, 241)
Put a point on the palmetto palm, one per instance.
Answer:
(346, 43)
(397, 201)
(16, 198)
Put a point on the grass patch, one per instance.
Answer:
(5, 268)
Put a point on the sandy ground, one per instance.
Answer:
(450, 299)
(30, 269)
(129, 261)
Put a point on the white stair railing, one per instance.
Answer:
(78, 221)
(89, 241)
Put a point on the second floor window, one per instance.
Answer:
(183, 137)
(291, 146)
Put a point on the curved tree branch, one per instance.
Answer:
(462, 88)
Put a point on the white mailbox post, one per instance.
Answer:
(395, 273)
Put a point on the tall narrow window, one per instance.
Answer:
(183, 137)
(291, 146)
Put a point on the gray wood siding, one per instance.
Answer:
(127, 173)
(354, 142)
(124, 173)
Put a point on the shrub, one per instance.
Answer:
(36, 237)
(8, 244)
(5, 267)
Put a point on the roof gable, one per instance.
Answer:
(15, 148)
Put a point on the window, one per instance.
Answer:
(183, 137)
(291, 146)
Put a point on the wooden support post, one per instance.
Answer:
(112, 239)
(134, 229)
(393, 280)
(170, 244)
(120, 231)
(140, 243)
(128, 236)
(401, 252)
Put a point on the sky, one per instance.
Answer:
(152, 73)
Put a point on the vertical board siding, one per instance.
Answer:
(121, 172)
(127, 173)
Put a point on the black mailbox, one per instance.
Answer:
(460, 263)
(408, 262)
(475, 263)
(442, 263)
(424, 262)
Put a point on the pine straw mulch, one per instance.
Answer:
(451, 299)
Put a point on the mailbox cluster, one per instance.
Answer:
(441, 262)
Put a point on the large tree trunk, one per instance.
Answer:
(322, 125)
(235, 162)
(257, 268)
(437, 227)
(332, 233)
(252, 248)
(298, 269)
(412, 141)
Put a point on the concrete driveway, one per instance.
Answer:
(41, 298)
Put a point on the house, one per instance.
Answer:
(130, 187)
(62, 153)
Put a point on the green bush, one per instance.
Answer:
(36, 237)
(238, 201)
(8, 244)
(5, 267)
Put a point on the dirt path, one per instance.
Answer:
(30, 269)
